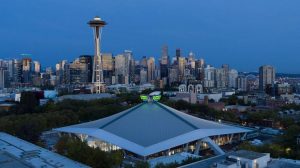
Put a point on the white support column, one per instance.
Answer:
(198, 146)
(186, 148)
(230, 139)
(244, 136)
(217, 150)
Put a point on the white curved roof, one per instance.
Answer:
(150, 128)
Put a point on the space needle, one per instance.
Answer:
(97, 78)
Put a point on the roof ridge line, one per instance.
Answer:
(176, 115)
(129, 111)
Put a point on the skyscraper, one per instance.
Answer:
(129, 66)
(27, 68)
(17, 71)
(232, 75)
(181, 67)
(164, 55)
(120, 69)
(266, 76)
(151, 69)
(173, 75)
(37, 67)
(88, 61)
(225, 67)
(192, 63)
(78, 72)
(3, 74)
(108, 67)
(97, 77)
(242, 83)
(209, 80)
(178, 53)
(199, 68)
(220, 78)
(164, 64)
(144, 62)
(62, 72)
(143, 76)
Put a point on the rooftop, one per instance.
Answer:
(283, 163)
(151, 124)
(248, 154)
(7, 161)
(15, 152)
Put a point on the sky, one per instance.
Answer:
(242, 33)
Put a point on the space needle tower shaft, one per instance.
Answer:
(97, 78)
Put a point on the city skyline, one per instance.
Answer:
(230, 33)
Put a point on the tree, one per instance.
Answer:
(81, 152)
(28, 102)
(233, 100)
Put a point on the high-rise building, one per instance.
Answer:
(242, 83)
(225, 67)
(178, 53)
(220, 78)
(232, 75)
(132, 71)
(27, 68)
(62, 72)
(137, 69)
(17, 71)
(107, 61)
(10, 68)
(108, 67)
(143, 76)
(164, 64)
(157, 76)
(199, 68)
(181, 68)
(266, 76)
(129, 67)
(191, 65)
(78, 72)
(88, 61)
(120, 69)
(173, 76)
(164, 56)
(35, 75)
(143, 62)
(164, 70)
(209, 80)
(151, 69)
(3, 74)
(49, 70)
(37, 67)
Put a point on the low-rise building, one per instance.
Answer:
(211, 96)
(186, 96)
(86, 97)
(237, 108)
(250, 159)
(245, 159)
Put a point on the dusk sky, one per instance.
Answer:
(242, 33)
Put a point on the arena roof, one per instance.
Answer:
(150, 128)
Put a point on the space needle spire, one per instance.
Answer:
(97, 78)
